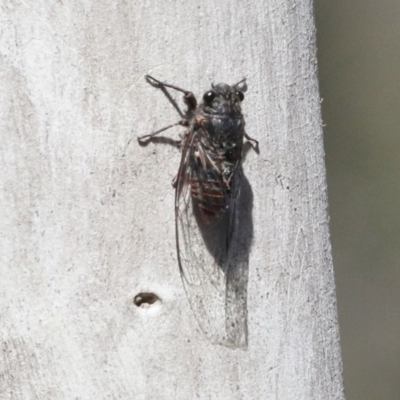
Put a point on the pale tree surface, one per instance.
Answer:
(87, 215)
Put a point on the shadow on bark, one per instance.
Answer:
(229, 241)
(214, 261)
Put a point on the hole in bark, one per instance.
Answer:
(145, 299)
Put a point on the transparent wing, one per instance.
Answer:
(214, 280)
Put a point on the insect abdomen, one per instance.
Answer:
(210, 196)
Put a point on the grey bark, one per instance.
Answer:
(87, 218)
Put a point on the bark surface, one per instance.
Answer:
(87, 215)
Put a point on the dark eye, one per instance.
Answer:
(209, 96)
(240, 95)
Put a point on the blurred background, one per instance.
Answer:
(359, 69)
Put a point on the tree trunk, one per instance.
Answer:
(93, 305)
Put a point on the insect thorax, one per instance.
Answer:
(215, 155)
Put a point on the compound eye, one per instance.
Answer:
(209, 96)
(240, 95)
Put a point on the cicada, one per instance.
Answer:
(212, 258)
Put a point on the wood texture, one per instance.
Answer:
(87, 217)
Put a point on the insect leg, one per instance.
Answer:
(158, 84)
(151, 135)
(250, 139)
(188, 97)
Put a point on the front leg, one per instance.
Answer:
(188, 98)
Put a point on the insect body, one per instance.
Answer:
(207, 191)
(214, 151)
